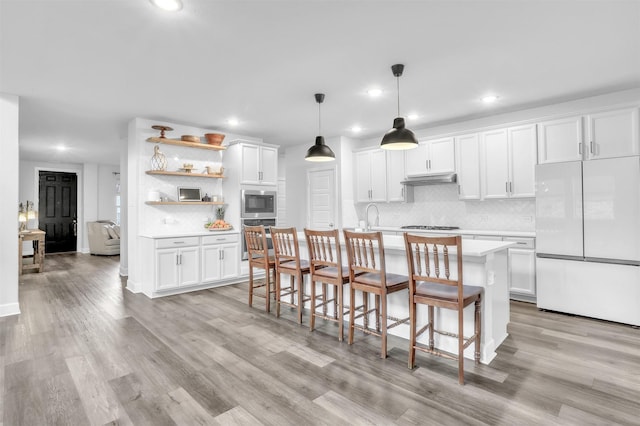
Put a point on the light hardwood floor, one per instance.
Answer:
(86, 351)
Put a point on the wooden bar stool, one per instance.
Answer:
(430, 284)
(325, 258)
(258, 253)
(367, 274)
(287, 252)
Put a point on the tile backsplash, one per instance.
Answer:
(439, 205)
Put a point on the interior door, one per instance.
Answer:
(322, 199)
(57, 211)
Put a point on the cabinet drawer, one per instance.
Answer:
(528, 243)
(177, 242)
(219, 239)
(488, 237)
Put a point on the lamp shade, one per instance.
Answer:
(319, 151)
(399, 137)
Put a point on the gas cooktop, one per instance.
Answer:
(430, 227)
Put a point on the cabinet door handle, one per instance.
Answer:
(458, 189)
(178, 242)
(592, 148)
(580, 148)
(222, 254)
(402, 191)
(506, 187)
(511, 187)
(426, 164)
(177, 259)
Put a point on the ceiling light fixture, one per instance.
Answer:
(319, 151)
(356, 129)
(399, 137)
(374, 93)
(169, 5)
(489, 99)
(232, 122)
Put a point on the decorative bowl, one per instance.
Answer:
(214, 138)
(190, 138)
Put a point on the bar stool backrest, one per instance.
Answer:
(365, 253)
(285, 245)
(257, 248)
(324, 249)
(428, 260)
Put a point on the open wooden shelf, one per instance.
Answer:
(166, 173)
(187, 144)
(185, 203)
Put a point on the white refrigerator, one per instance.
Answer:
(588, 238)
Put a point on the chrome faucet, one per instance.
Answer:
(377, 222)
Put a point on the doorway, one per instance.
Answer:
(321, 204)
(57, 210)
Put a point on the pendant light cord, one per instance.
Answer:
(398, 81)
(319, 121)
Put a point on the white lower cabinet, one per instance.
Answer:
(177, 264)
(522, 269)
(177, 267)
(220, 257)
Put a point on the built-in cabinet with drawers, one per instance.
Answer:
(176, 264)
(604, 134)
(220, 257)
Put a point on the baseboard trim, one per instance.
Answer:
(133, 287)
(9, 309)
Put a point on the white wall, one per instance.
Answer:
(9, 112)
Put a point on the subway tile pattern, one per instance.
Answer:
(439, 205)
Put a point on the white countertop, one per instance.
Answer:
(470, 248)
(176, 234)
(527, 234)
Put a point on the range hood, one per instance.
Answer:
(430, 179)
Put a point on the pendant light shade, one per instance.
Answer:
(319, 151)
(399, 137)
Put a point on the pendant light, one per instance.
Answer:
(399, 137)
(319, 151)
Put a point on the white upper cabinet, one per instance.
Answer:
(431, 158)
(395, 175)
(508, 160)
(522, 161)
(259, 165)
(560, 140)
(468, 166)
(613, 134)
(371, 176)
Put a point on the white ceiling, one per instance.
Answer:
(84, 68)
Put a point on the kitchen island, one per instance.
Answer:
(484, 265)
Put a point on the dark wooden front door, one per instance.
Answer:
(57, 211)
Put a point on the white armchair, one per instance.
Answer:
(104, 238)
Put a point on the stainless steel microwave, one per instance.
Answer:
(258, 204)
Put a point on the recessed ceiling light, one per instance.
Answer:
(374, 93)
(489, 99)
(356, 129)
(61, 148)
(412, 116)
(232, 122)
(170, 5)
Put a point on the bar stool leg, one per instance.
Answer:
(383, 318)
(267, 275)
(339, 303)
(352, 294)
(250, 286)
(478, 330)
(312, 318)
(299, 291)
(431, 342)
(412, 334)
(377, 298)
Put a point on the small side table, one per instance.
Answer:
(37, 236)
